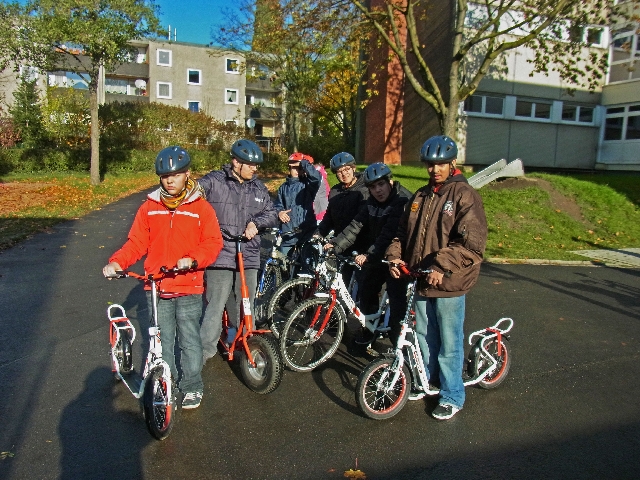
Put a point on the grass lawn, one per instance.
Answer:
(540, 216)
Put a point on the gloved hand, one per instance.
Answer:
(110, 270)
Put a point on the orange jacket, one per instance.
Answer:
(165, 236)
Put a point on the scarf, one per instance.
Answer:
(174, 201)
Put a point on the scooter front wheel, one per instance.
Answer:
(266, 375)
(376, 396)
(159, 405)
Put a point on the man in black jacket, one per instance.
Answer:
(374, 227)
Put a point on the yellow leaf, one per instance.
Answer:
(63, 246)
(355, 474)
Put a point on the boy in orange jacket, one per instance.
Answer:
(175, 226)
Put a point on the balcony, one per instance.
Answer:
(263, 113)
(260, 84)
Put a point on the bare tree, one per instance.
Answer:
(481, 33)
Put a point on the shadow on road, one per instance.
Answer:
(98, 440)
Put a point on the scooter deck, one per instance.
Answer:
(133, 382)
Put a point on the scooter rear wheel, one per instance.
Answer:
(266, 375)
(159, 408)
(502, 369)
(376, 397)
(122, 351)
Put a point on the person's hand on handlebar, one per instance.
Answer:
(360, 259)
(110, 270)
(185, 263)
(250, 231)
(328, 246)
(394, 269)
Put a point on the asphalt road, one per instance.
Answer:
(569, 408)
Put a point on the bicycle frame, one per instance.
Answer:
(339, 290)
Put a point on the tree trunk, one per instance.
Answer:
(95, 135)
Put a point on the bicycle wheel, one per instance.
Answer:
(375, 395)
(272, 279)
(159, 409)
(304, 344)
(267, 374)
(287, 297)
(502, 369)
(122, 351)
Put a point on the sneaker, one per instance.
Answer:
(416, 395)
(444, 411)
(191, 400)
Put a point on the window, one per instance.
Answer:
(484, 104)
(625, 53)
(231, 96)
(539, 110)
(633, 127)
(233, 65)
(231, 122)
(194, 106)
(164, 58)
(164, 89)
(194, 76)
(577, 113)
(248, 99)
(622, 123)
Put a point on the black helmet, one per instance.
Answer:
(340, 160)
(172, 160)
(376, 171)
(439, 149)
(246, 151)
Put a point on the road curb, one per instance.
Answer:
(540, 261)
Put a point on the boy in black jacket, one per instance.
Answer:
(374, 227)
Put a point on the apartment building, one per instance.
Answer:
(515, 113)
(192, 76)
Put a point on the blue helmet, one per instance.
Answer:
(375, 172)
(246, 151)
(340, 160)
(172, 160)
(439, 149)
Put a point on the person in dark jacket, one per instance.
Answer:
(294, 202)
(345, 198)
(443, 229)
(243, 206)
(375, 225)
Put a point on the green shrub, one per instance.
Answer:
(322, 148)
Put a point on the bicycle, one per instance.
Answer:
(277, 268)
(260, 362)
(383, 386)
(155, 387)
(314, 329)
(295, 290)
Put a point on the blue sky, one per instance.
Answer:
(193, 19)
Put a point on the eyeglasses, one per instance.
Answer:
(344, 170)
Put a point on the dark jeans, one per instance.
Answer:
(181, 316)
(397, 291)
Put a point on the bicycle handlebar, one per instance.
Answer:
(164, 271)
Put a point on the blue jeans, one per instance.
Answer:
(439, 324)
(223, 290)
(181, 316)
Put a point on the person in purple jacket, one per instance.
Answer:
(243, 206)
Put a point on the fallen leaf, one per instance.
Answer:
(497, 283)
(63, 246)
(355, 474)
